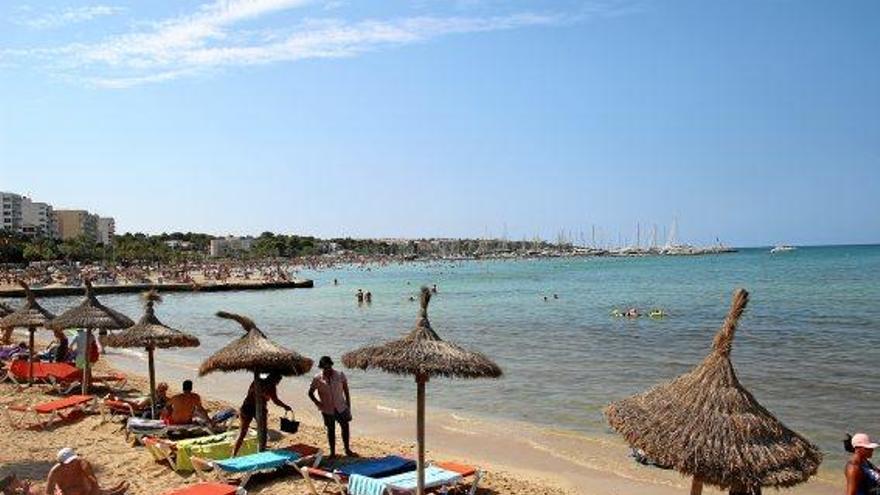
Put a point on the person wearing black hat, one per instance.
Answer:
(334, 402)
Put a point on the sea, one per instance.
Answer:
(807, 347)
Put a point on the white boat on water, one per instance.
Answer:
(782, 248)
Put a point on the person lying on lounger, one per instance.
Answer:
(73, 475)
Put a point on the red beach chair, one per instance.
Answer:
(61, 410)
(43, 372)
(209, 489)
(63, 377)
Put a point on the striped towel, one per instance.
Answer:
(363, 485)
(434, 476)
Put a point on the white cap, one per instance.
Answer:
(864, 441)
(66, 455)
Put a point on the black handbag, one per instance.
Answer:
(289, 425)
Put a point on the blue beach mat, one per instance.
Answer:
(378, 468)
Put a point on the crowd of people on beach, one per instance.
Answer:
(191, 273)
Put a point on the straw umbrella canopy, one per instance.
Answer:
(90, 314)
(423, 354)
(705, 424)
(31, 316)
(151, 334)
(254, 352)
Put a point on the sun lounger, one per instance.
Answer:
(63, 377)
(141, 427)
(246, 466)
(209, 489)
(436, 478)
(60, 410)
(43, 372)
(374, 468)
(178, 454)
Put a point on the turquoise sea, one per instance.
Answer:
(807, 346)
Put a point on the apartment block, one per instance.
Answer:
(71, 224)
(230, 245)
(106, 230)
(10, 212)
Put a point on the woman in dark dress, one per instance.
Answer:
(248, 411)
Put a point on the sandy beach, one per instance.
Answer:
(517, 458)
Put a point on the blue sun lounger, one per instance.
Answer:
(435, 477)
(378, 468)
(261, 462)
(372, 468)
(441, 475)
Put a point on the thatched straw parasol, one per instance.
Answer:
(423, 354)
(90, 314)
(31, 315)
(254, 352)
(705, 424)
(151, 334)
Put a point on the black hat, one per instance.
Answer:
(325, 362)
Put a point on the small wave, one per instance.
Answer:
(462, 418)
(459, 430)
(130, 353)
(390, 410)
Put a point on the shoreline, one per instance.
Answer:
(67, 290)
(566, 460)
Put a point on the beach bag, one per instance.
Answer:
(289, 424)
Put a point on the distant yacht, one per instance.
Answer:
(782, 248)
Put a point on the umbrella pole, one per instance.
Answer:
(87, 365)
(261, 424)
(152, 367)
(697, 486)
(30, 356)
(420, 432)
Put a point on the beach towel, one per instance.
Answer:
(378, 468)
(271, 459)
(224, 415)
(364, 485)
(434, 477)
(80, 345)
(9, 353)
(214, 447)
(145, 426)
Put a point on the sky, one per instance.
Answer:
(754, 122)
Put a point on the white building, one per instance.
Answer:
(226, 246)
(178, 245)
(10, 212)
(37, 219)
(106, 230)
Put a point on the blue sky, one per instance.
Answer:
(753, 121)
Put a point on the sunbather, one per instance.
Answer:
(73, 475)
(185, 407)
